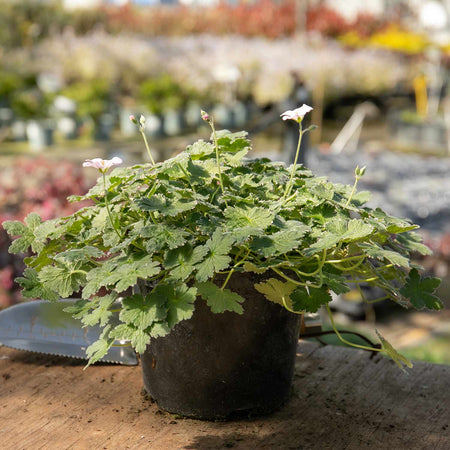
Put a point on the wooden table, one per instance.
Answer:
(341, 399)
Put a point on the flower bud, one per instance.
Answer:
(133, 119)
(205, 116)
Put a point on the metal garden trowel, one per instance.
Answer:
(42, 326)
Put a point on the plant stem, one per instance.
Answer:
(319, 267)
(372, 349)
(353, 191)
(107, 206)
(289, 309)
(187, 176)
(216, 146)
(147, 146)
(79, 271)
(348, 269)
(242, 261)
(299, 283)
(294, 166)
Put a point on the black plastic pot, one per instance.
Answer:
(219, 366)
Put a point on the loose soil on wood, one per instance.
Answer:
(341, 399)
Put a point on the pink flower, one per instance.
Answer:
(297, 114)
(102, 164)
(205, 116)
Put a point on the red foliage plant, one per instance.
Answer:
(263, 18)
(38, 185)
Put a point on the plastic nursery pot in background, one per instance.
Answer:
(220, 366)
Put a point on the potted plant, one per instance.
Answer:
(93, 102)
(165, 98)
(216, 257)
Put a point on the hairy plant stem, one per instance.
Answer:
(216, 146)
(107, 207)
(147, 146)
(187, 176)
(352, 193)
(294, 166)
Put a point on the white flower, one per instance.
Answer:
(297, 114)
(102, 164)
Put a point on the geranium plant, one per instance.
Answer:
(209, 214)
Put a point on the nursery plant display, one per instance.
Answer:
(37, 185)
(210, 240)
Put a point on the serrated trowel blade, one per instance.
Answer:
(42, 326)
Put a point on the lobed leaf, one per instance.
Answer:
(277, 291)
(179, 301)
(33, 287)
(220, 300)
(142, 311)
(310, 300)
(420, 291)
(217, 259)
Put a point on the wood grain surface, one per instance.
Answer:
(341, 399)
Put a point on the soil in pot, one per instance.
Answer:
(222, 366)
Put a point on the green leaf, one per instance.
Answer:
(161, 236)
(412, 242)
(335, 282)
(143, 311)
(100, 348)
(14, 228)
(279, 243)
(311, 301)
(159, 329)
(390, 351)
(250, 267)
(326, 241)
(276, 291)
(325, 191)
(165, 206)
(220, 300)
(182, 260)
(110, 237)
(231, 142)
(96, 277)
(99, 223)
(236, 159)
(217, 259)
(129, 270)
(388, 223)
(241, 234)
(46, 229)
(179, 301)
(198, 174)
(139, 339)
(27, 238)
(351, 231)
(241, 217)
(33, 286)
(420, 291)
(340, 231)
(100, 312)
(200, 149)
(77, 254)
(63, 279)
(377, 252)
(32, 221)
